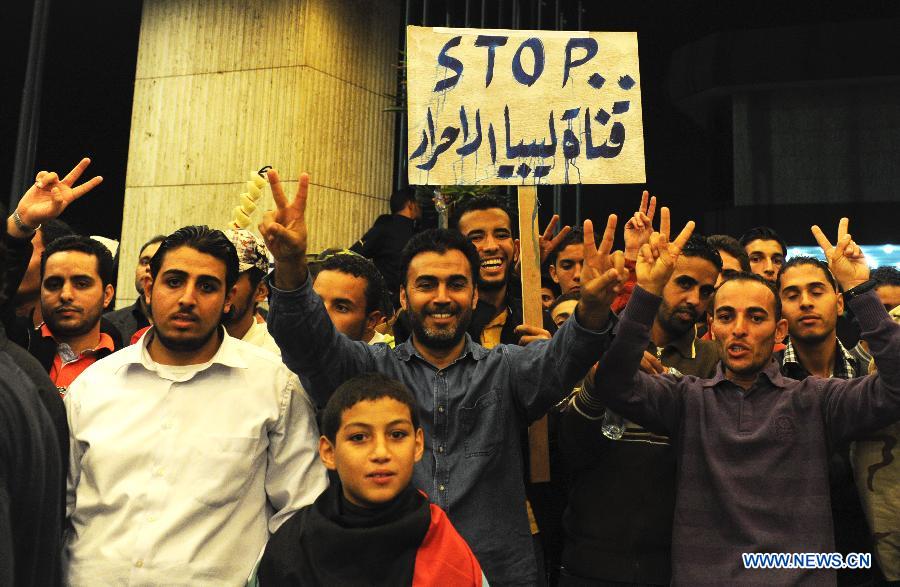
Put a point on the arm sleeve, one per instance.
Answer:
(368, 244)
(294, 474)
(545, 371)
(18, 255)
(654, 402)
(310, 344)
(857, 406)
(73, 407)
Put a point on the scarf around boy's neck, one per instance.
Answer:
(344, 544)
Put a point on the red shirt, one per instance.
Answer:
(64, 373)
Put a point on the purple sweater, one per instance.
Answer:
(752, 466)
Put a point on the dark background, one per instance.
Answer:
(777, 113)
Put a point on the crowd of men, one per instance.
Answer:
(708, 397)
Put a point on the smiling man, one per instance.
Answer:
(473, 402)
(189, 447)
(752, 445)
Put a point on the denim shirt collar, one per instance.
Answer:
(407, 350)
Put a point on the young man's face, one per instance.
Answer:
(687, 294)
(439, 296)
(809, 303)
(547, 297)
(344, 296)
(766, 258)
(567, 270)
(889, 296)
(491, 232)
(374, 451)
(72, 294)
(244, 300)
(744, 326)
(142, 270)
(562, 311)
(188, 298)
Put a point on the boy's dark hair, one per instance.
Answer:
(804, 260)
(400, 197)
(358, 266)
(547, 281)
(365, 387)
(488, 202)
(885, 275)
(747, 276)
(204, 239)
(698, 246)
(572, 295)
(83, 244)
(575, 237)
(439, 240)
(729, 244)
(54, 229)
(154, 239)
(763, 233)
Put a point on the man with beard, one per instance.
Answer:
(249, 290)
(752, 445)
(473, 402)
(189, 447)
(137, 316)
(622, 493)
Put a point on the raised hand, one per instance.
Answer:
(640, 226)
(284, 230)
(601, 276)
(548, 242)
(845, 257)
(49, 196)
(657, 259)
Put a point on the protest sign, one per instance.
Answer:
(523, 107)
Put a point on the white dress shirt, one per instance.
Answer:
(259, 335)
(179, 474)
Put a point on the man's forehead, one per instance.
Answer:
(451, 262)
(744, 293)
(190, 261)
(804, 274)
(696, 268)
(345, 283)
(150, 249)
(572, 251)
(487, 219)
(72, 262)
(763, 245)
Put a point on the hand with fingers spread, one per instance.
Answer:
(601, 276)
(657, 259)
(548, 242)
(639, 227)
(845, 257)
(49, 196)
(284, 230)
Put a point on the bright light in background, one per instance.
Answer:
(876, 255)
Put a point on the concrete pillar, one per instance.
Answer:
(224, 87)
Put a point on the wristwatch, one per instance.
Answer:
(20, 224)
(859, 289)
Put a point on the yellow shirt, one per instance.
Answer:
(490, 335)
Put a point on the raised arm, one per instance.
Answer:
(310, 344)
(651, 401)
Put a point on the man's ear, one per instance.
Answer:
(403, 300)
(781, 330)
(326, 453)
(516, 251)
(373, 319)
(840, 303)
(552, 270)
(229, 298)
(262, 292)
(108, 292)
(420, 444)
(147, 286)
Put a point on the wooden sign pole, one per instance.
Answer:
(532, 314)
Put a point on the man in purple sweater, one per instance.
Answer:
(752, 444)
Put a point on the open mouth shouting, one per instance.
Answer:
(738, 350)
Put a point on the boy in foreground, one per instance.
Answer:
(371, 527)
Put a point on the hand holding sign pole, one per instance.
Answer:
(524, 108)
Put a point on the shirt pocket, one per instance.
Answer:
(221, 468)
(482, 425)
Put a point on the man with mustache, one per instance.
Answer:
(473, 402)
(752, 445)
(622, 493)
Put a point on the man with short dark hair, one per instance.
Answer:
(383, 242)
(887, 286)
(752, 445)
(766, 251)
(473, 403)
(189, 447)
(137, 316)
(734, 257)
(566, 261)
(353, 292)
(27, 298)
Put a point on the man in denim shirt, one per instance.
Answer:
(474, 402)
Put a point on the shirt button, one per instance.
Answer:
(441, 409)
(139, 564)
(441, 487)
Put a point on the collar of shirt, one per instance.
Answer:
(685, 345)
(407, 350)
(66, 353)
(844, 368)
(227, 353)
(771, 371)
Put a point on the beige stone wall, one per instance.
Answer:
(224, 87)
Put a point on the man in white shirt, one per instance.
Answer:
(190, 447)
(250, 289)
